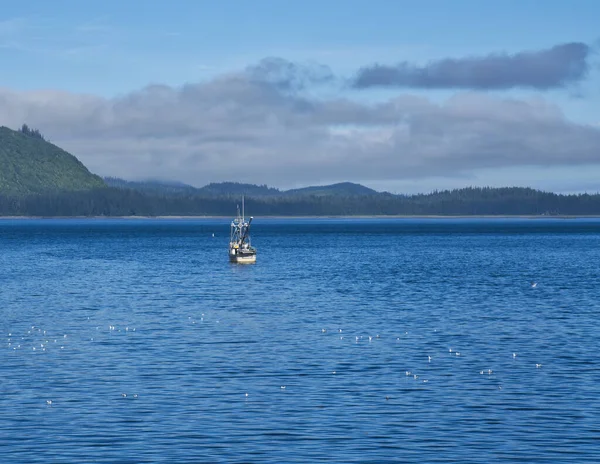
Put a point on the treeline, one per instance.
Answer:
(462, 202)
(25, 129)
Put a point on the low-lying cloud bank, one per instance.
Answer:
(259, 126)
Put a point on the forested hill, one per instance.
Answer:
(341, 189)
(123, 201)
(30, 164)
(229, 189)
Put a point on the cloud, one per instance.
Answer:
(555, 67)
(286, 75)
(244, 127)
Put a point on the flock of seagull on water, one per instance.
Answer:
(15, 343)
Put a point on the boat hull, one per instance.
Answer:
(243, 256)
(241, 259)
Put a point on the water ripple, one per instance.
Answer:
(376, 341)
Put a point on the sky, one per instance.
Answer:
(401, 96)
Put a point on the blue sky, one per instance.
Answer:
(82, 59)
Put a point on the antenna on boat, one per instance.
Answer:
(242, 208)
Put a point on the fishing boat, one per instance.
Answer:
(240, 249)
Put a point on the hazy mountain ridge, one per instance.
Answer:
(111, 201)
(236, 188)
(342, 188)
(151, 186)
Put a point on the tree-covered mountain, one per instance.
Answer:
(153, 187)
(30, 164)
(238, 189)
(341, 189)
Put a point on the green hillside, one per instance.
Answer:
(30, 164)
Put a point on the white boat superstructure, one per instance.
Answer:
(240, 249)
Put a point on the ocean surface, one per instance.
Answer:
(350, 340)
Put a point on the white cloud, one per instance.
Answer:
(238, 128)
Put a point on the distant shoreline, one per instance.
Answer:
(416, 216)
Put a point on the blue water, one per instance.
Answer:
(152, 347)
